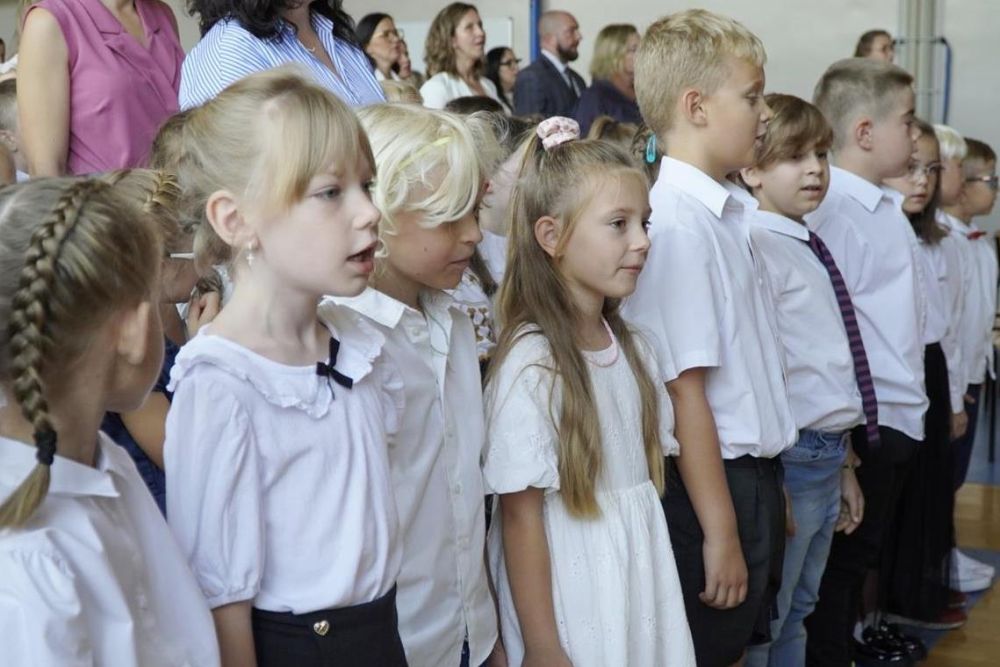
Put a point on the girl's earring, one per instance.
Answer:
(250, 248)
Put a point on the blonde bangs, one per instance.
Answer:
(302, 133)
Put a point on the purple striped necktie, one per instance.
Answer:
(861, 370)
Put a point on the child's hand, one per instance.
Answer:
(959, 424)
(725, 574)
(852, 503)
(789, 517)
(202, 309)
(546, 657)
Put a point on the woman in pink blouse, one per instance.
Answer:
(95, 80)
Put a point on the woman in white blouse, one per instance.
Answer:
(454, 57)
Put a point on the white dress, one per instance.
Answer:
(615, 589)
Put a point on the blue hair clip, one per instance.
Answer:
(651, 149)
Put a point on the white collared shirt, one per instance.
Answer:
(876, 251)
(822, 385)
(944, 291)
(561, 67)
(444, 87)
(435, 461)
(976, 328)
(95, 577)
(701, 301)
(278, 485)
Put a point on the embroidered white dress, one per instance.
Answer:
(615, 588)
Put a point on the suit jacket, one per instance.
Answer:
(541, 89)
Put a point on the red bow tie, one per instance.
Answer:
(977, 234)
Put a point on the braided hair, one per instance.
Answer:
(71, 252)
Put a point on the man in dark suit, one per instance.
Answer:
(549, 86)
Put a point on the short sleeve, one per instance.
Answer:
(435, 93)
(521, 440)
(680, 301)
(42, 619)
(214, 489)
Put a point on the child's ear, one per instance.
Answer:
(547, 232)
(751, 177)
(862, 133)
(223, 213)
(692, 106)
(133, 333)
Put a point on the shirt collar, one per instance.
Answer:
(554, 59)
(66, 476)
(954, 223)
(864, 192)
(389, 312)
(780, 224)
(695, 182)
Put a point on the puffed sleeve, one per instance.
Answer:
(41, 617)
(521, 440)
(214, 488)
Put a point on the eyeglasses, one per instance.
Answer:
(992, 182)
(511, 62)
(916, 170)
(390, 34)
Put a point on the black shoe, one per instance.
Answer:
(914, 646)
(872, 655)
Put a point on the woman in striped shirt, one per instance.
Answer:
(240, 37)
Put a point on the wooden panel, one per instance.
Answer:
(977, 644)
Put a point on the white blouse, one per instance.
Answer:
(278, 483)
(443, 596)
(443, 87)
(95, 578)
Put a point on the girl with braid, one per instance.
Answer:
(90, 572)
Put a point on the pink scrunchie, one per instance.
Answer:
(557, 130)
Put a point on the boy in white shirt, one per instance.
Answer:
(869, 104)
(825, 360)
(699, 83)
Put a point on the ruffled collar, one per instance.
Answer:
(285, 386)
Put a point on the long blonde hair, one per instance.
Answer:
(72, 253)
(263, 139)
(533, 295)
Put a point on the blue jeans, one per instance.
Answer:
(812, 477)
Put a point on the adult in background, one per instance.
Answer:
(501, 68)
(612, 74)
(404, 67)
(96, 78)
(549, 86)
(240, 37)
(454, 57)
(877, 45)
(381, 42)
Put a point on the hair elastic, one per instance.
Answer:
(45, 442)
(651, 149)
(556, 131)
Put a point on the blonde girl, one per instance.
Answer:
(576, 426)
(141, 431)
(90, 572)
(278, 485)
(432, 171)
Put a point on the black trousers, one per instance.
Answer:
(721, 635)
(881, 476)
(366, 635)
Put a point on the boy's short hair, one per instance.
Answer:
(856, 86)
(796, 126)
(688, 49)
(979, 151)
(8, 105)
(951, 142)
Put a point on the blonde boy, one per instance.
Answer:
(699, 83)
(869, 105)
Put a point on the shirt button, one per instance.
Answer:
(457, 489)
